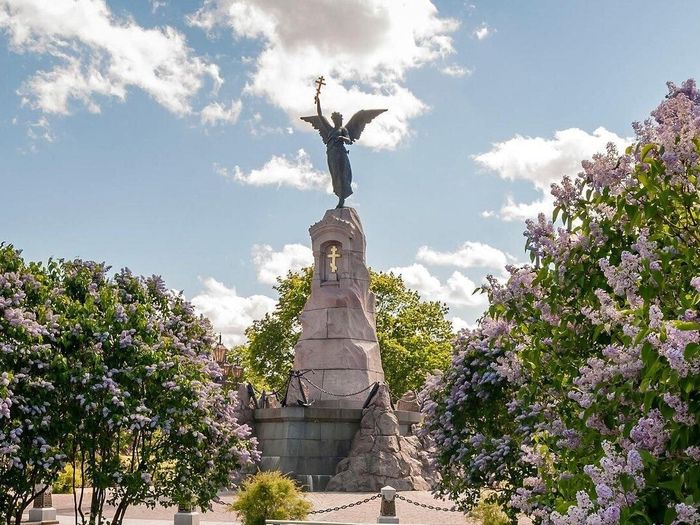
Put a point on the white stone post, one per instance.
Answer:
(387, 511)
(185, 516)
(43, 510)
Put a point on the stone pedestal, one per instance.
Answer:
(309, 442)
(43, 515)
(387, 512)
(186, 517)
(43, 510)
(338, 350)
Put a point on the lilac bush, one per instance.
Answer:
(576, 399)
(31, 430)
(134, 396)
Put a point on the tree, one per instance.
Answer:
(132, 390)
(576, 399)
(31, 427)
(270, 351)
(414, 336)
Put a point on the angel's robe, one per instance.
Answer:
(339, 163)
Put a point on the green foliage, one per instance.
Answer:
(64, 482)
(270, 351)
(114, 377)
(576, 399)
(414, 336)
(490, 514)
(31, 405)
(270, 495)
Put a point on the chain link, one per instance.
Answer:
(347, 506)
(331, 393)
(425, 505)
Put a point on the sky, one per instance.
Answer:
(164, 136)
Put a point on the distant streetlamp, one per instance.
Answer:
(232, 373)
(219, 353)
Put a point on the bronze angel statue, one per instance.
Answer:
(335, 137)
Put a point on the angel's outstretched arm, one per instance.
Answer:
(318, 106)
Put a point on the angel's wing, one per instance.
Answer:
(359, 120)
(321, 124)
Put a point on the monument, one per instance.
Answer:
(336, 390)
(336, 360)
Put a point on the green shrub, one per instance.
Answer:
(64, 482)
(270, 495)
(490, 514)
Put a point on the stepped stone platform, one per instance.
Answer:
(309, 442)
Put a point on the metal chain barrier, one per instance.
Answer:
(425, 505)
(270, 393)
(342, 507)
(331, 393)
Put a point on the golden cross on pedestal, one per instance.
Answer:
(333, 256)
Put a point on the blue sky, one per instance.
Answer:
(163, 135)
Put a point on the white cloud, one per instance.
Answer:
(271, 264)
(486, 214)
(40, 130)
(458, 290)
(259, 128)
(96, 54)
(543, 161)
(469, 255)
(456, 71)
(482, 32)
(459, 324)
(157, 4)
(229, 312)
(297, 172)
(364, 49)
(217, 113)
(520, 211)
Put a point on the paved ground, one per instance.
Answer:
(365, 513)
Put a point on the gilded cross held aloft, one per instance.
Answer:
(319, 83)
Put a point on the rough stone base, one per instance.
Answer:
(380, 455)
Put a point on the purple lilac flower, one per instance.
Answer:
(540, 236)
(673, 349)
(649, 433)
(681, 409)
(693, 453)
(695, 283)
(655, 317)
(608, 170)
(686, 514)
(509, 367)
(624, 278)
